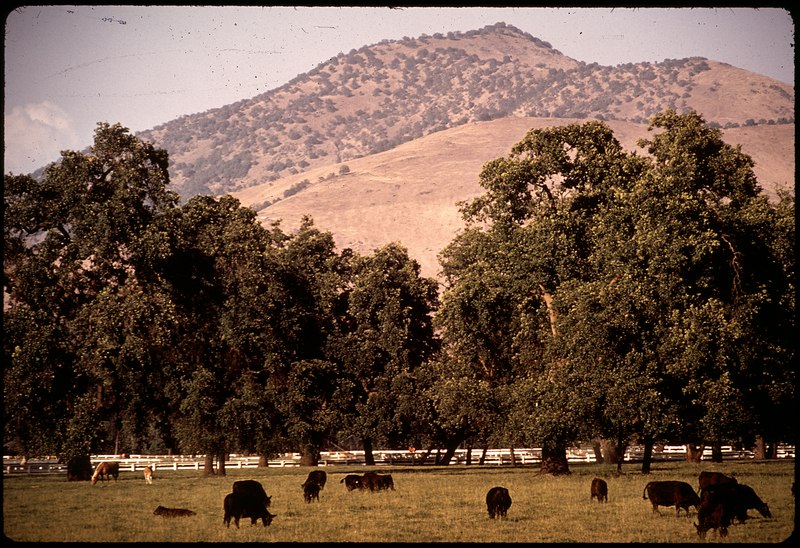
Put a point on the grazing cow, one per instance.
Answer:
(714, 478)
(739, 498)
(498, 501)
(248, 500)
(377, 482)
(311, 491)
(173, 512)
(385, 482)
(599, 490)
(148, 475)
(317, 476)
(669, 493)
(352, 481)
(712, 514)
(104, 470)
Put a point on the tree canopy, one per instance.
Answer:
(593, 294)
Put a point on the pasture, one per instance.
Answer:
(430, 504)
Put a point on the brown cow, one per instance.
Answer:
(498, 501)
(352, 481)
(599, 490)
(104, 470)
(377, 482)
(714, 478)
(148, 475)
(669, 493)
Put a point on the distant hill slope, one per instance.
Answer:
(380, 96)
(409, 194)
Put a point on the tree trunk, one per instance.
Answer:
(694, 453)
(598, 452)
(620, 453)
(647, 458)
(760, 449)
(208, 464)
(716, 451)
(513, 458)
(554, 458)
(469, 455)
(116, 439)
(450, 450)
(263, 462)
(369, 458)
(309, 456)
(483, 455)
(221, 464)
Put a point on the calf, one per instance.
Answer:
(352, 481)
(599, 490)
(498, 501)
(311, 491)
(317, 476)
(714, 478)
(173, 512)
(669, 493)
(148, 475)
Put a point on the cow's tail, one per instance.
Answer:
(644, 494)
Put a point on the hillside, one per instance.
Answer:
(410, 193)
(380, 96)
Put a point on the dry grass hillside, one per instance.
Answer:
(380, 96)
(410, 194)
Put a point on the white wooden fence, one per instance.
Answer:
(493, 457)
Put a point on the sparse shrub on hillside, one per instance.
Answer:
(295, 188)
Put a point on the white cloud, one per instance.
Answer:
(35, 135)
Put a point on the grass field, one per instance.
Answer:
(430, 504)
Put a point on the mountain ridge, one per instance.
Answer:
(377, 97)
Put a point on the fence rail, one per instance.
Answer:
(493, 457)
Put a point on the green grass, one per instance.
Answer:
(430, 504)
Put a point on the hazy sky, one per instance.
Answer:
(69, 67)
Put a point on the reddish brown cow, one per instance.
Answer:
(714, 478)
(599, 490)
(671, 493)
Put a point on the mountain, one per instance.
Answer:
(379, 144)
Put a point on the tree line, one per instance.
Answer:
(594, 294)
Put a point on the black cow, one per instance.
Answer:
(248, 500)
(385, 482)
(738, 498)
(669, 493)
(498, 501)
(352, 481)
(251, 489)
(317, 476)
(311, 491)
(599, 490)
(714, 478)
